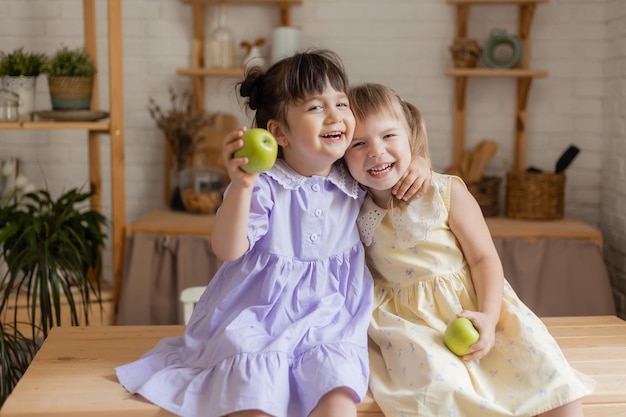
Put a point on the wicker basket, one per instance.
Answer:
(535, 195)
(486, 192)
(465, 52)
(70, 92)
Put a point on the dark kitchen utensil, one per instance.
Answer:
(566, 158)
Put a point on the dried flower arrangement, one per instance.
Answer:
(181, 125)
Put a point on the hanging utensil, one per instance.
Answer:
(566, 158)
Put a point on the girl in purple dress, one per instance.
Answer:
(282, 328)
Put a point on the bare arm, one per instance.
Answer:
(468, 225)
(415, 181)
(229, 237)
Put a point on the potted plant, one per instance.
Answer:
(70, 78)
(19, 70)
(52, 249)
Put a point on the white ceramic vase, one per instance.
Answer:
(286, 41)
(24, 87)
(220, 46)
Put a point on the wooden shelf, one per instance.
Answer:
(488, 72)
(168, 222)
(114, 127)
(172, 223)
(102, 127)
(503, 227)
(522, 74)
(97, 316)
(496, 1)
(259, 2)
(210, 72)
(197, 71)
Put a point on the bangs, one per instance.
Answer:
(309, 74)
(366, 102)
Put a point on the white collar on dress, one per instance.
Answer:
(411, 224)
(286, 176)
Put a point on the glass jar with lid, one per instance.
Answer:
(220, 45)
(9, 102)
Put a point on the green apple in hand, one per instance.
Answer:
(260, 147)
(460, 335)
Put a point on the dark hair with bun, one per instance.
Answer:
(269, 92)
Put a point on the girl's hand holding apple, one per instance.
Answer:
(460, 336)
(233, 142)
(248, 152)
(486, 327)
(260, 148)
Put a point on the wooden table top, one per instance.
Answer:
(73, 373)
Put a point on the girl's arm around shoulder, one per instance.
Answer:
(415, 180)
(468, 225)
(229, 237)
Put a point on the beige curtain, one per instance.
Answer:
(156, 269)
(554, 277)
(557, 277)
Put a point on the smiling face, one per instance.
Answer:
(379, 154)
(318, 130)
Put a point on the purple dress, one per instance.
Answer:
(282, 325)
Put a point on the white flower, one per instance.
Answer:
(21, 182)
(29, 188)
(12, 188)
(8, 168)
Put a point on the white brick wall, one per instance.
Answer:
(403, 43)
(613, 191)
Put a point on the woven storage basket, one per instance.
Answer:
(70, 92)
(486, 192)
(535, 195)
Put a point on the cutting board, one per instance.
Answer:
(210, 150)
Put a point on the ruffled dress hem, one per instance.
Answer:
(208, 392)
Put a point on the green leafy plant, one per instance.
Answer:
(52, 250)
(68, 62)
(16, 353)
(20, 63)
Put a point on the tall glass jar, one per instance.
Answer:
(220, 45)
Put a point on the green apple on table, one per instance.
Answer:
(261, 149)
(460, 335)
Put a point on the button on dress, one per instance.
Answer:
(282, 325)
(421, 281)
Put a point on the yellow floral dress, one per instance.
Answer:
(422, 282)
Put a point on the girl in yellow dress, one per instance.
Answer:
(433, 259)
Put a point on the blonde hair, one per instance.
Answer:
(372, 99)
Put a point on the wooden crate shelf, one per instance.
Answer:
(522, 74)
